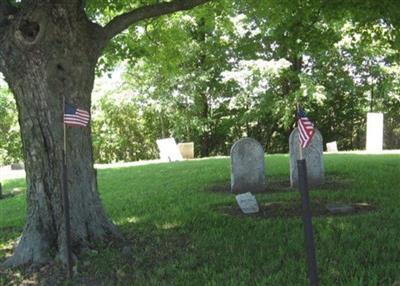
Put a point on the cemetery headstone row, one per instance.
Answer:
(248, 165)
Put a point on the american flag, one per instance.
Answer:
(306, 128)
(75, 116)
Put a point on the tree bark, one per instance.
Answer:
(48, 53)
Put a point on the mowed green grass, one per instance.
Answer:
(178, 238)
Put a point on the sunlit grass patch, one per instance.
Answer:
(176, 236)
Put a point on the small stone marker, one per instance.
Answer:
(247, 166)
(313, 156)
(187, 150)
(247, 203)
(331, 147)
(169, 151)
(374, 132)
(17, 190)
(17, 166)
(339, 208)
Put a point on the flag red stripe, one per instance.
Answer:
(74, 117)
(306, 131)
(75, 124)
(82, 113)
(75, 121)
(303, 132)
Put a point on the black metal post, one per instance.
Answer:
(67, 219)
(307, 221)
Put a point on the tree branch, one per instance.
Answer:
(122, 22)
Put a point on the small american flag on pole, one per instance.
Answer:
(75, 116)
(306, 128)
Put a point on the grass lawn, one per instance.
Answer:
(179, 237)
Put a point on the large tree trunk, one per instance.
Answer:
(48, 54)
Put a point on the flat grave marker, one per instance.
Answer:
(339, 208)
(247, 203)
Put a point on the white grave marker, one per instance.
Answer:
(374, 132)
(247, 203)
(331, 147)
(169, 151)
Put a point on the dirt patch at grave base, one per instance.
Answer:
(293, 209)
(276, 185)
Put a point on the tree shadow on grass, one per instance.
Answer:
(148, 253)
(293, 209)
(8, 239)
(282, 184)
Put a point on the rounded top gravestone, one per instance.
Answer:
(313, 156)
(247, 166)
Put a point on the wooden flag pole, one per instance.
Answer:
(307, 215)
(298, 130)
(307, 222)
(67, 223)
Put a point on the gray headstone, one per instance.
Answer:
(17, 166)
(313, 156)
(247, 166)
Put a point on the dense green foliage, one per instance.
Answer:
(236, 69)
(230, 69)
(178, 237)
(10, 140)
(123, 131)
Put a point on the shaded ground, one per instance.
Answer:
(293, 209)
(48, 275)
(12, 193)
(110, 264)
(282, 184)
